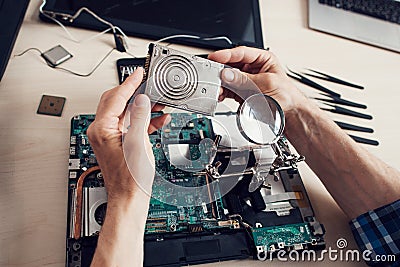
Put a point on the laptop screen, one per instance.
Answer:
(239, 20)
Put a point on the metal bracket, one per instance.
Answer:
(284, 160)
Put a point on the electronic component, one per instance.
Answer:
(120, 43)
(179, 155)
(56, 55)
(271, 239)
(195, 228)
(74, 164)
(126, 66)
(94, 209)
(188, 213)
(281, 208)
(181, 80)
(51, 105)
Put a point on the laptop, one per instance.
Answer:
(238, 20)
(12, 13)
(375, 22)
(194, 218)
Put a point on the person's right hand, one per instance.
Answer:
(259, 67)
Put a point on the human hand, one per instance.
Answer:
(105, 137)
(126, 160)
(258, 68)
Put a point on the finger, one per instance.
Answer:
(221, 91)
(158, 122)
(225, 93)
(137, 148)
(257, 58)
(139, 117)
(129, 86)
(113, 102)
(238, 83)
(241, 54)
(157, 107)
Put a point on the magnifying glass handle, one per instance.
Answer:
(284, 161)
(277, 149)
(258, 179)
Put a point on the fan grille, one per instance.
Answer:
(177, 77)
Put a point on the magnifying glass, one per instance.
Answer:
(260, 119)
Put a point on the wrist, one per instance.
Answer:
(291, 99)
(120, 241)
(129, 211)
(121, 185)
(300, 106)
(126, 198)
(301, 119)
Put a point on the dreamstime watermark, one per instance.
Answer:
(340, 253)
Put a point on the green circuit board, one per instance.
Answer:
(185, 202)
(81, 153)
(171, 208)
(279, 237)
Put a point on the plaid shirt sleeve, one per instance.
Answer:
(379, 232)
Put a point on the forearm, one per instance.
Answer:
(357, 180)
(120, 241)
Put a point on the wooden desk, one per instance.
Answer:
(34, 148)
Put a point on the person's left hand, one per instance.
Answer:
(125, 157)
(105, 137)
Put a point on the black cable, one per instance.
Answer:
(246, 226)
(67, 70)
(247, 229)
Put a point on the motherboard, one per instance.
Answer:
(189, 213)
(180, 157)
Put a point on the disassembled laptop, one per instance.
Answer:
(212, 199)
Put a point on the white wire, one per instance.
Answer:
(176, 36)
(194, 37)
(56, 21)
(219, 38)
(73, 17)
(116, 28)
(94, 15)
(95, 36)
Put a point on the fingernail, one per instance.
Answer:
(141, 100)
(139, 69)
(228, 75)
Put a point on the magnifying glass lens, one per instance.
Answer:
(261, 119)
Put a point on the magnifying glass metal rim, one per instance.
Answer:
(243, 132)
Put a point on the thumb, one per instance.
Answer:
(139, 116)
(136, 146)
(238, 82)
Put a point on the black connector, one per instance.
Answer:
(120, 44)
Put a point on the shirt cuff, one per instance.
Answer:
(378, 231)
